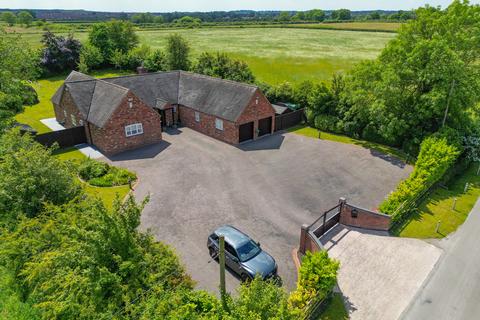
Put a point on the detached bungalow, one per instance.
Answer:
(127, 112)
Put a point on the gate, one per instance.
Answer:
(65, 138)
(326, 221)
(288, 120)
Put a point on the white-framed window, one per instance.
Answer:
(219, 124)
(74, 121)
(133, 129)
(197, 116)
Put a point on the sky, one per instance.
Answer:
(218, 5)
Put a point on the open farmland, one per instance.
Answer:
(275, 54)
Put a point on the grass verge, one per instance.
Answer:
(335, 309)
(315, 133)
(439, 207)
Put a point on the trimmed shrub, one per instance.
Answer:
(91, 169)
(437, 154)
(317, 276)
(100, 174)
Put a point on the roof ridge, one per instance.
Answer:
(112, 84)
(91, 100)
(219, 79)
(139, 75)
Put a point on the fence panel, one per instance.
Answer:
(289, 120)
(65, 138)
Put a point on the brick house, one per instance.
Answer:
(127, 112)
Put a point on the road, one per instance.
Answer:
(453, 290)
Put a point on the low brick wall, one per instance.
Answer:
(362, 218)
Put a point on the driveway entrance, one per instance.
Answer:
(379, 275)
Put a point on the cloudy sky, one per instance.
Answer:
(211, 5)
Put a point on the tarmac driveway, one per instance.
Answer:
(267, 188)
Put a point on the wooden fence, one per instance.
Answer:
(289, 120)
(65, 138)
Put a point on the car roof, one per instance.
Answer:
(232, 235)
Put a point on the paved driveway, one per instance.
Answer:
(379, 275)
(267, 188)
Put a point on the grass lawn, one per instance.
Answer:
(274, 54)
(362, 26)
(314, 133)
(107, 194)
(46, 88)
(438, 207)
(335, 309)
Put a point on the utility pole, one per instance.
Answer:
(221, 240)
(448, 103)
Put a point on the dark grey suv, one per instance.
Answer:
(242, 255)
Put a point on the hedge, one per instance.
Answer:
(437, 154)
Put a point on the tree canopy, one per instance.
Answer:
(222, 66)
(60, 53)
(113, 36)
(178, 53)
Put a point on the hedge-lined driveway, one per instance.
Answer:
(267, 188)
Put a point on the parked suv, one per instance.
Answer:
(242, 255)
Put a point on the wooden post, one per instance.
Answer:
(221, 239)
(454, 203)
(466, 187)
(437, 227)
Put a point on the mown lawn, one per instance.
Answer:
(315, 133)
(274, 54)
(335, 309)
(439, 207)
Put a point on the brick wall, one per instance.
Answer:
(206, 125)
(365, 219)
(229, 134)
(111, 139)
(67, 113)
(255, 113)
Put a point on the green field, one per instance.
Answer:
(274, 54)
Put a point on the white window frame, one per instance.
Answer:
(219, 124)
(197, 116)
(133, 130)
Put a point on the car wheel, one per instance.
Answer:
(245, 277)
(212, 252)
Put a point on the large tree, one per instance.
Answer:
(222, 66)
(113, 36)
(18, 64)
(60, 54)
(8, 17)
(178, 53)
(25, 18)
(427, 76)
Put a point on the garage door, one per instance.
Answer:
(245, 132)
(264, 126)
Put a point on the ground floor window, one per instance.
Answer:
(133, 129)
(219, 124)
(197, 116)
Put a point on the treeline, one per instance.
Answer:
(315, 15)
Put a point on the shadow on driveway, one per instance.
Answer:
(147, 152)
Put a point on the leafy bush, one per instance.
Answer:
(317, 277)
(31, 177)
(100, 174)
(91, 169)
(325, 122)
(30, 96)
(222, 66)
(82, 261)
(437, 154)
(156, 61)
(90, 58)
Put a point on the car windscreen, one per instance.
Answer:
(247, 251)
